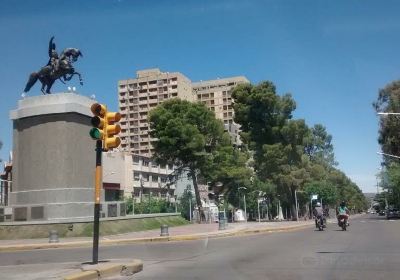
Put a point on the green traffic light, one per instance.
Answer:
(95, 133)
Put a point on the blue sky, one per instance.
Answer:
(332, 56)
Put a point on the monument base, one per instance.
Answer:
(54, 158)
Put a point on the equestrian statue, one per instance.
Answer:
(59, 67)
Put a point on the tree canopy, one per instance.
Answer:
(389, 133)
(287, 152)
(190, 137)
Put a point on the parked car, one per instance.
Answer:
(392, 213)
(382, 213)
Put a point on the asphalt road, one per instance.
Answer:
(370, 249)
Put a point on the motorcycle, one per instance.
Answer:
(319, 223)
(343, 222)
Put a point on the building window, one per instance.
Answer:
(170, 166)
(163, 179)
(154, 178)
(145, 163)
(136, 176)
(154, 164)
(145, 177)
(135, 160)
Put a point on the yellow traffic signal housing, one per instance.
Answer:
(112, 130)
(98, 121)
(105, 127)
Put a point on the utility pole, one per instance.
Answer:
(96, 222)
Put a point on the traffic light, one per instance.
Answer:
(105, 127)
(98, 121)
(112, 129)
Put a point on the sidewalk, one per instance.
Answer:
(178, 233)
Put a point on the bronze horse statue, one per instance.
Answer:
(58, 67)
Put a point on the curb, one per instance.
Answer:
(240, 232)
(98, 271)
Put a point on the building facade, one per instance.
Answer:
(128, 175)
(217, 96)
(6, 182)
(138, 96)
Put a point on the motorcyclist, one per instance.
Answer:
(319, 214)
(343, 211)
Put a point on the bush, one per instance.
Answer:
(147, 206)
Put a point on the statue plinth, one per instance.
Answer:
(54, 158)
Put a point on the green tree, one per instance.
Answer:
(278, 141)
(185, 204)
(319, 146)
(390, 178)
(286, 151)
(324, 189)
(190, 137)
(389, 126)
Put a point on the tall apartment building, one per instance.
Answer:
(217, 96)
(138, 96)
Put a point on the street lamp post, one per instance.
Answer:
(258, 209)
(176, 204)
(190, 205)
(297, 207)
(133, 202)
(150, 202)
(190, 209)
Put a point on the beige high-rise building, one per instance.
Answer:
(217, 96)
(137, 96)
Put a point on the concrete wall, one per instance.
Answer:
(85, 228)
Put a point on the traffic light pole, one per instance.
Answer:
(96, 222)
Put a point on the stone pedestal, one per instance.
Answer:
(54, 158)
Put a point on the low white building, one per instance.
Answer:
(127, 175)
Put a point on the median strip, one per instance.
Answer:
(187, 237)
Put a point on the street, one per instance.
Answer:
(369, 250)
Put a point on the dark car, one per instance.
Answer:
(382, 213)
(392, 213)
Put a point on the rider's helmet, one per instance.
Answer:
(318, 204)
(343, 204)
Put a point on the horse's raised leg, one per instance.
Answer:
(42, 89)
(49, 85)
(32, 80)
(80, 78)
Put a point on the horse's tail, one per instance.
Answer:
(32, 80)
